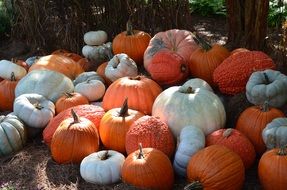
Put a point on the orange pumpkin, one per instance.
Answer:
(91, 112)
(215, 167)
(85, 63)
(131, 42)
(168, 68)
(69, 100)
(151, 132)
(141, 92)
(75, 138)
(20, 62)
(59, 63)
(114, 126)
(7, 93)
(253, 120)
(60, 51)
(101, 72)
(74, 56)
(148, 168)
(236, 141)
(272, 169)
(204, 60)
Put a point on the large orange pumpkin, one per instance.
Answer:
(272, 169)
(59, 63)
(75, 138)
(114, 126)
(215, 167)
(141, 92)
(148, 168)
(91, 112)
(253, 120)
(7, 93)
(131, 42)
(151, 132)
(236, 141)
(86, 64)
(69, 100)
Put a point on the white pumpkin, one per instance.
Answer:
(275, 133)
(198, 83)
(34, 110)
(190, 141)
(98, 54)
(95, 38)
(48, 83)
(7, 67)
(31, 60)
(103, 167)
(92, 89)
(121, 65)
(91, 75)
(179, 106)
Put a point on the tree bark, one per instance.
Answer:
(247, 21)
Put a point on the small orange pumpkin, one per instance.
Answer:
(69, 100)
(7, 93)
(101, 72)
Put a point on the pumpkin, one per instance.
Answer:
(275, 134)
(103, 167)
(267, 85)
(190, 140)
(131, 42)
(98, 54)
(168, 68)
(272, 169)
(141, 92)
(75, 138)
(233, 73)
(92, 89)
(21, 63)
(253, 120)
(238, 50)
(69, 100)
(175, 40)
(7, 93)
(95, 38)
(115, 125)
(198, 83)
(31, 60)
(148, 168)
(121, 65)
(60, 51)
(91, 112)
(101, 71)
(86, 64)
(74, 56)
(85, 76)
(179, 106)
(12, 134)
(34, 109)
(48, 83)
(7, 67)
(58, 63)
(204, 60)
(236, 141)
(152, 133)
(215, 167)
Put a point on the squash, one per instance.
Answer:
(190, 140)
(101, 71)
(95, 38)
(92, 89)
(69, 100)
(197, 83)
(7, 67)
(179, 106)
(148, 168)
(131, 42)
(31, 60)
(150, 132)
(275, 133)
(103, 167)
(267, 85)
(75, 138)
(7, 93)
(85, 76)
(98, 54)
(12, 134)
(215, 167)
(48, 83)
(34, 109)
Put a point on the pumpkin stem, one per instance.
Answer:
(68, 94)
(14, 60)
(129, 28)
(38, 106)
(183, 68)
(194, 185)
(265, 106)
(227, 132)
(135, 78)
(141, 155)
(105, 156)
(282, 151)
(201, 42)
(124, 109)
(186, 90)
(75, 116)
(13, 78)
(267, 81)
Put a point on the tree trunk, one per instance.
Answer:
(247, 21)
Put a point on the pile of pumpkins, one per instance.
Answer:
(119, 121)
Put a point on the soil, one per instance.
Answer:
(33, 168)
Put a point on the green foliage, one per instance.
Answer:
(208, 7)
(277, 13)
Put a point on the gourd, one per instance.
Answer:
(85, 76)
(7, 67)
(95, 38)
(98, 54)
(92, 89)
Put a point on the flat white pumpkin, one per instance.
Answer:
(190, 141)
(95, 38)
(98, 54)
(103, 167)
(179, 106)
(92, 89)
(34, 109)
(7, 67)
